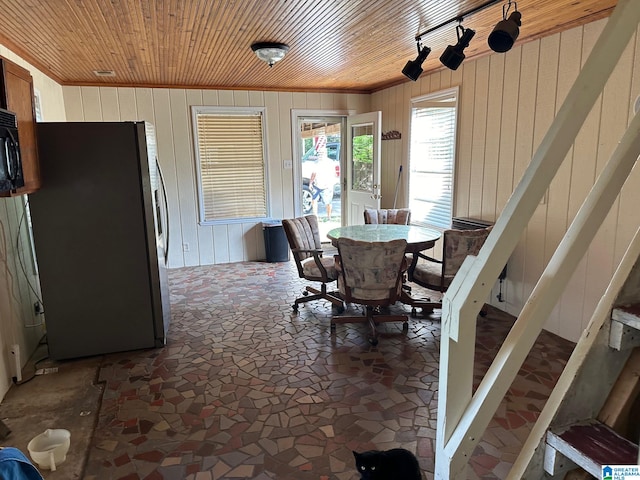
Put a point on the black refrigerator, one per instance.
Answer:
(100, 230)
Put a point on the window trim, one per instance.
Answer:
(426, 101)
(229, 110)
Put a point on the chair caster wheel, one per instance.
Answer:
(337, 309)
(295, 307)
(373, 341)
(414, 312)
(405, 327)
(305, 293)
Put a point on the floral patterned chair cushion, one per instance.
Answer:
(397, 216)
(370, 272)
(303, 236)
(457, 245)
(311, 269)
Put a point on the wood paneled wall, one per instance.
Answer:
(169, 110)
(507, 102)
(18, 322)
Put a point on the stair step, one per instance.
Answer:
(591, 445)
(625, 327)
(628, 314)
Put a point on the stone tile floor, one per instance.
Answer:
(246, 389)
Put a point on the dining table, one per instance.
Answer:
(418, 239)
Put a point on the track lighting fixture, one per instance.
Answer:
(270, 52)
(453, 55)
(413, 68)
(506, 31)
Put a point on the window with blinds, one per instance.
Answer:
(230, 152)
(432, 158)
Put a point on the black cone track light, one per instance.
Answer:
(501, 39)
(453, 55)
(506, 31)
(413, 68)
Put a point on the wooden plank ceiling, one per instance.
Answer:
(335, 45)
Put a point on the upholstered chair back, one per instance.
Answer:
(370, 273)
(457, 245)
(397, 216)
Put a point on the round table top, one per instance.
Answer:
(418, 238)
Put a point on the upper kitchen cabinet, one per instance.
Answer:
(16, 95)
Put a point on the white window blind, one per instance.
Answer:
(432, 158)
(231, 163)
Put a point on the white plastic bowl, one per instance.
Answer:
(50, 448)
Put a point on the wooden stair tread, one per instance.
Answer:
(625, 327)
(631, 309)
(591, 445)
(627, 314)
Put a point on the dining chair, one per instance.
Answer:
(437, 275)
(397, 216)
(370, 274)
(303, 236)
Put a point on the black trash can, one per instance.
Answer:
(276, 246)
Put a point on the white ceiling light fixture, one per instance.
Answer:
(270, 52)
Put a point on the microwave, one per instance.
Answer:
(11, 176)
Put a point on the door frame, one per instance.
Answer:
(296, 154)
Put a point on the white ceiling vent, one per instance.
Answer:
(104, 73)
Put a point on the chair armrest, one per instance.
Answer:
(405, 264)
(338, 263)
(313, 251)
(317, 255)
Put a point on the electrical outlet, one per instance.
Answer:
(185, 247)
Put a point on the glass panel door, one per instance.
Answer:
(363, 165)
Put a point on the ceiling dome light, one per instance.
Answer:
(270, 52)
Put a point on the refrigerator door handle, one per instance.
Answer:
(11, 155)
(165, 208)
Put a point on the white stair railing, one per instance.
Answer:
(463, 417)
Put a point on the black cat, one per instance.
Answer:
(394, 464)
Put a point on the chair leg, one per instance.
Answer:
(346, 319)
(323, 294)
(305, 299)
(374, 319)
(425, 307)
(373, 339)
(425, 304)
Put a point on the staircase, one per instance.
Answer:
(588, 420)
(588, 409)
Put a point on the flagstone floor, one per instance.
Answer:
(247, 389)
